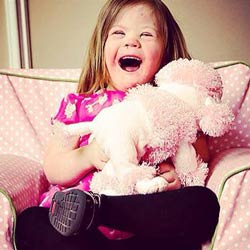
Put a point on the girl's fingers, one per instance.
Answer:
(176, 184)
(169, 176)
(167, 171)
(165, 167)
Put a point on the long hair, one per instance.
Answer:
(94, 75)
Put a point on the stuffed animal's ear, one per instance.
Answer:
(215, 118)
(191, 72)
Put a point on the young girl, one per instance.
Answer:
(132, 40)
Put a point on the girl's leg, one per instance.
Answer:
(34, 232)
(136, 243)
(187, 215)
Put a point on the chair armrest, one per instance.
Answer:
(22, 179)
(229, 179)
(21, 183)
(225, 165)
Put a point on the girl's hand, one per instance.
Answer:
(95, 155)
(167, 171)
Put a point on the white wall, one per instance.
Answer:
(215, 30)
(4, 59)
(60, 30)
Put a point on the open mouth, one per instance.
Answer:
(130, 63)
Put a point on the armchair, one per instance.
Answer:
(30, 97)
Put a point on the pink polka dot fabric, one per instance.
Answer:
(230, 179)
(24, 181)
(6, 222)
(29, 98)
(27, 104)
(236, 93)
(230, 165)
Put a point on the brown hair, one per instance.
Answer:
(94, 75)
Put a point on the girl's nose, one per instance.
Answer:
(132, 42)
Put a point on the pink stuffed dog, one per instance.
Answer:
(153, 124)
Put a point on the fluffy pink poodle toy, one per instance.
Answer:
(153, 124)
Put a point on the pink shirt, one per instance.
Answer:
(79, 108)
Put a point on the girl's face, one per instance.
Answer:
(133, 49)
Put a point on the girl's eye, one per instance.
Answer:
(118, 32)
(147, 34)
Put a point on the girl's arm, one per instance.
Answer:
(201, 147)
(65, 165)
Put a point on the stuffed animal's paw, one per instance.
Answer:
(147, 186)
